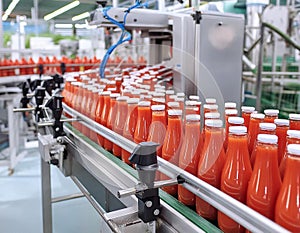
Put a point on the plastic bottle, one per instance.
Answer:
(172, 144)
(119, 122)
(211, 163)
(265, 181)
(77, 104)
(168, 94)
(264, 128)
(294, 121)
(104, 114)
(191, 107)
(293, 137)
(180, 100)
(253, 130)
(282, 126)
(189, 155)
(287, 210)
(271, 115)
(236, 174)
(130, 124)
(96, 110)
(228, 113)
(210, 108)
(84, 108)
(158, 127)
(111, 119)
(143, 122)
(246, 114)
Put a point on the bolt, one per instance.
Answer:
(156, 212)
(148, 204)
(59, 140)
(56, 129)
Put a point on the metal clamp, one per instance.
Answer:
(145, 158)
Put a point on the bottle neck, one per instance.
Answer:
(174, 122)
(266, 153)
(159, 116)
(236, 141)
(292, 170)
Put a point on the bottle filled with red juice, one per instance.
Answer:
(130, 125)
(96, 110)
(104, 114)
(228, 113)
(118, 127)
(158, 127)
(172, 144)
(287, 210)
(143, 122)
(246, 114)
(253, 130)
(271, 115)
(265, 181)
(264, 128)
(294, 121)
(282, 126)
(111, 119)
(211, 163)
(293, 137)
(236, 174)
(189, 155)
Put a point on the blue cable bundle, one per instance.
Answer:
(125, 35)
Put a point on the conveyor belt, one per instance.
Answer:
(171, 201)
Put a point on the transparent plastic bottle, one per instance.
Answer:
(287, 210)
(293, 137)
(246, 114)
(211, 163)
(118, 127)
(236, 174)
(172, 144)
(189, 155)
(294, 121)
(265, 181)
(104, 114)
(253, 130)
(271, 115)
(282, 126)
(130, 124)
(111, 119)
(264, 128)
(158, 127)
(143, 122)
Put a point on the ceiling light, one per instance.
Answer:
(9, 9)
(81, 16)
(80, 26)
(61, 10)
(63, 25)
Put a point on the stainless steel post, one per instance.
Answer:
(46, 196)
(12, 135)
(1, 26)
(259, 69)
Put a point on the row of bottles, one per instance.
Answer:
(243, 160)
(9, 67)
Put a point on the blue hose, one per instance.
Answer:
(125, 35)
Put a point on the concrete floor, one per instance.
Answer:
(20, 201)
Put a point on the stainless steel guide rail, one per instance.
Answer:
(242, 214)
